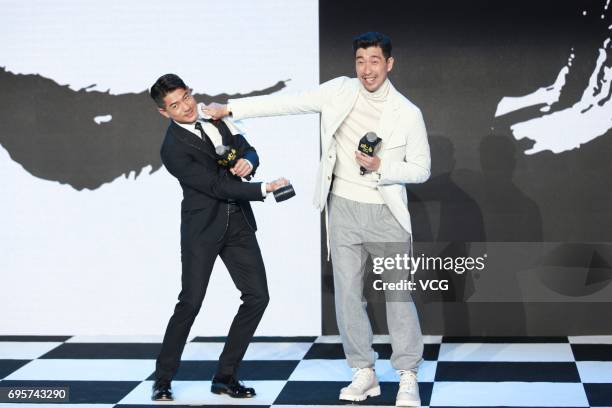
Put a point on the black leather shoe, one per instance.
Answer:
(162, 391)
(231, 387)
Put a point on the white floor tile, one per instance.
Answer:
(198, 393)
(381, 339)
(202, 351)
(590, 339)
(427, 339)
(595, 371)
(328, 339)
(256, 351)
(385, 372)
(85, 370)
(115, 339)
(23, 405)
(515, 394)
(322, 370)
(360, 405)
(427, 371)
(378, 339)
(338, 370)
(27, 350)
(487, 352)
(430, 339)
(277, 351)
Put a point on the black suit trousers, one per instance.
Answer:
(240, 253)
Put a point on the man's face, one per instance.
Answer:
(180, 106)
(372, 67)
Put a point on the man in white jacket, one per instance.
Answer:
(362, 208)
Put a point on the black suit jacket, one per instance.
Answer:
(207, 187)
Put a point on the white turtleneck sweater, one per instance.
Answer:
(363, 118)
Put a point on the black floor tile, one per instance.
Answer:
(161, 404)
(334, 351)
(35, 338)
(327, 392)
(599, 395)
(507, 371)
(8, 367)
(481, 339)
(84, 392)
(105, 351)
(259, 339)
(250, 370)
(592, 352)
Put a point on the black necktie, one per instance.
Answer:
(205, 137)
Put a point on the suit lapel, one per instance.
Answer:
(192, 140)
(348, 98)
(388, 122)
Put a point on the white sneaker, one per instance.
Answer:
(408, 394)
(364, 385)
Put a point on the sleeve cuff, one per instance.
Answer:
(264, 193)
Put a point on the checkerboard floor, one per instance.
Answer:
(309, 371)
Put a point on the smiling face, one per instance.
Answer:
(180, 106)
(372, 67)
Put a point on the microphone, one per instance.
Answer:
(367, 144)
(284, 193)
(227, 156)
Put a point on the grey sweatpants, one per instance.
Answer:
(352, 227)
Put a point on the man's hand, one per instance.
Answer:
(242, 168)
(216, 110)
(276, 184)
(370, 163)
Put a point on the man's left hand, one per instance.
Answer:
(370, 163)
(242, 168)
(215, 110)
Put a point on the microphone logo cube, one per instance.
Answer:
(228, 158)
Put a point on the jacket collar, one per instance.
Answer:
(185, 136)
(389, 119)
(389, 116)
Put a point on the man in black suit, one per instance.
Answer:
(216, 219)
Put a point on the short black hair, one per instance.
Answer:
(163, 86)
(373, 39)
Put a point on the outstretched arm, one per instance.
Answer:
(275, 105)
